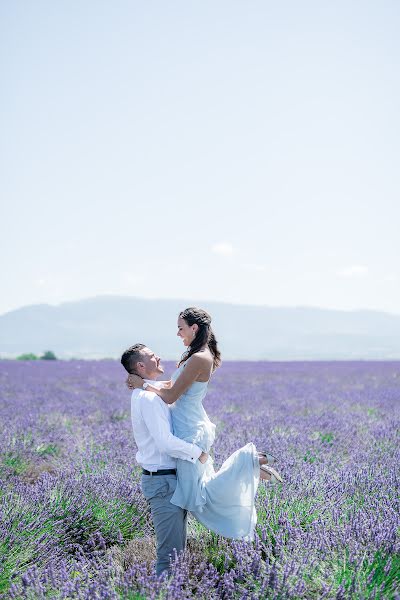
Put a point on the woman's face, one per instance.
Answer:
(186, 332)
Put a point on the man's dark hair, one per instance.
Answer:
(131, 357)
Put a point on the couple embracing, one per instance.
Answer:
(174, 436)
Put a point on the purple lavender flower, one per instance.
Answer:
(74, 524)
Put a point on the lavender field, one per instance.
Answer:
(74, 524)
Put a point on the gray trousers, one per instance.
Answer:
(170, 521)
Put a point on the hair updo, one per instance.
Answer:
(204, 335)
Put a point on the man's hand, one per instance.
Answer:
(134, 382)
(203, 457)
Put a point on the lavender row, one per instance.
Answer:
(74, 524)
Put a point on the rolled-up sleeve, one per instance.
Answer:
(159, 428)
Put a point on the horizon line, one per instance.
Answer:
(223, 302)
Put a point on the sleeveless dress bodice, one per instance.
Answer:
(223, 501)
(189, 419)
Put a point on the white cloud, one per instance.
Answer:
(353, 271)
(254, 267)
(223, 249)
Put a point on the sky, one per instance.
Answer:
(238, 151)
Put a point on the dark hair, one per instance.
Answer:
(131, 357)
(204, 335)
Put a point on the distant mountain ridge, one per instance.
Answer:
(104, 326)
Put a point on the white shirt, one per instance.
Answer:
(152, 429)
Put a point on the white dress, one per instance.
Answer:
(223, 501)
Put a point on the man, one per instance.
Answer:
(158, 450)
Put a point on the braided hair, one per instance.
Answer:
(204, 335)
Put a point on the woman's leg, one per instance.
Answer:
(267, 473)
(263, 475)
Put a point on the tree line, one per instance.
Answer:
(47, 355)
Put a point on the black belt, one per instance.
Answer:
(161, 472)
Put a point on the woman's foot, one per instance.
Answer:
(271, 460)
(269, 474)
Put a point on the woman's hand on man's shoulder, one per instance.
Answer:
(134, 382)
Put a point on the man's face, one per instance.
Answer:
(149, 366)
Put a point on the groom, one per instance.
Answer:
(158, 450)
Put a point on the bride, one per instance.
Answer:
(223, 501)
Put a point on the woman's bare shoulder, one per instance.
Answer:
(201, 358)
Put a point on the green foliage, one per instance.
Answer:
(12, 463)
(120, 415)
(27, 356)
(372, 412)
(327, 438)
(48, 450)
(383, 570)
(378, 572)
(8, 568)
(130, 595)
(309, 457)
(48, 355)
(217, 555)
(113, 516)
(22, 552)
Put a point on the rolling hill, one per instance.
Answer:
(104, 326)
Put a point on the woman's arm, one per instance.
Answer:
(197, 365)
(166, 384)
(136, 382)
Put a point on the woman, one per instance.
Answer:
(222, 501)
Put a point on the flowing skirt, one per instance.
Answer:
(222, 501)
